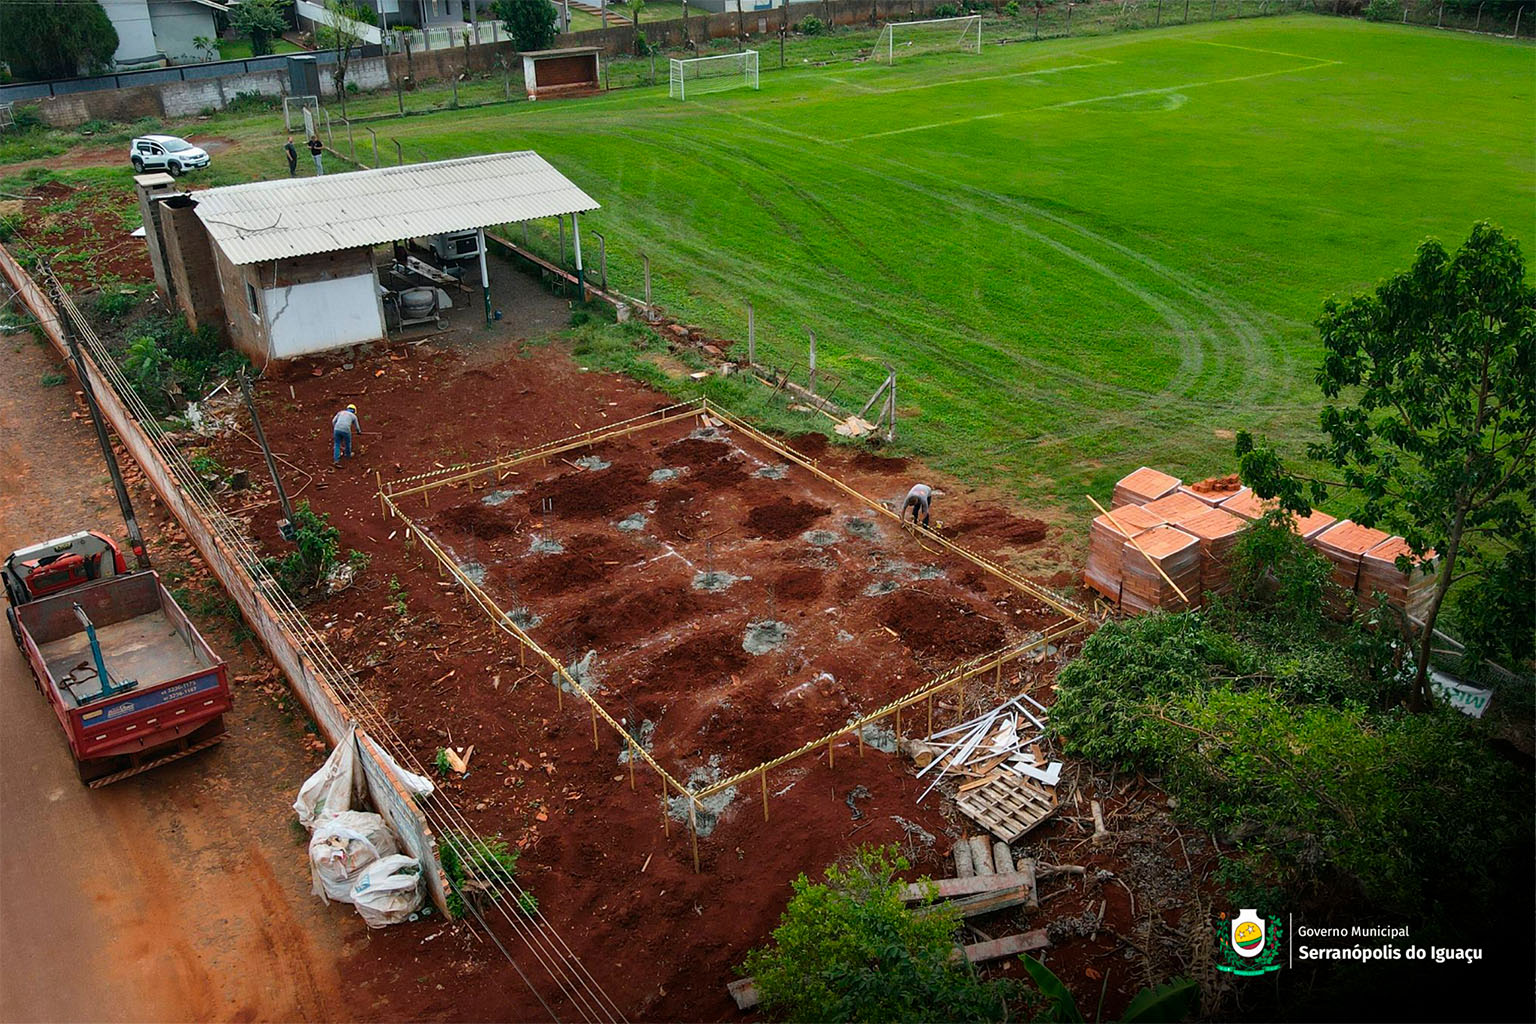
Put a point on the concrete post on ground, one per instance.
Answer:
(602, 261)
(647, 261)
(751, 336)
(375, 136)
(1069, 19)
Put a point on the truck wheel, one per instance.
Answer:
(10, 618)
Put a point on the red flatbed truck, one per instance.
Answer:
(131, 680)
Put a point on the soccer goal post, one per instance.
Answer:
(692, 76)
(935, 35)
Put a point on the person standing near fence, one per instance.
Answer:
(293, 157)
(316, 147)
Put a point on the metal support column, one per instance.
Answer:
(485, 276)
(581, 277)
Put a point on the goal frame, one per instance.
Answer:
(301, 103)
(677, 84)
(887, 39)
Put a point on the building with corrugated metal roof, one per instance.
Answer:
(293, 267)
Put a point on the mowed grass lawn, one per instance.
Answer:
(1081, 256)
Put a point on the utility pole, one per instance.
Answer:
(135, 537)
(284, 528)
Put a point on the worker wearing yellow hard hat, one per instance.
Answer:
(343, 425)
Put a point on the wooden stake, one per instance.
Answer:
(930, 715)
(999, 671)
(1112, 522)
(763, 776)
(829, 753)
(522, 655)
(632, 760)
(594, 725)
(666, 825)
(860, 734)
(559, 694)
(960, 710)
(898, 727)
(378, 482)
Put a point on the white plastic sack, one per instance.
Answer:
(416, 785)
(342, 847)
(334, 787)
(389, 891)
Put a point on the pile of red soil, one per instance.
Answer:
(999, 523)
(869, 462)
(721, 473)
(705, 657)
(810, 444)
(931, 624)
(694, 450)
(588, 558)
(591, 494)
(636, 615)
(784, 520)
(480, 520)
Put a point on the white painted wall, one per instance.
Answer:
(176, 24)
(322, 315)
(135, 32)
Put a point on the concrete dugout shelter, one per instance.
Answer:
(286, 268)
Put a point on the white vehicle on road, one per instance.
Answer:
(165, 153)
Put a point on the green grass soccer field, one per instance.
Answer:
(1080, 255)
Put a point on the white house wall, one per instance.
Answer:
(176, 25)
(306, 318)
(135, 32)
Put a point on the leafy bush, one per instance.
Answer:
(115, 305)
(532, 24)
(166, 360)
(1275, 573)
(1384, 10)
(1011, 8)
(1100, 696)
(251, 102)
(477, 870)
(1404, 808)
(1175, 1000)
(642, 45)
(810, 25)
(850, 950)
(309, 564)
(945, 11)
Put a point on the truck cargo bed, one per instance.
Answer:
(147, 648)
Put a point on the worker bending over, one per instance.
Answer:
(918, 500)
(343, 426)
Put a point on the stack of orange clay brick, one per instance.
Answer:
(1188, 532)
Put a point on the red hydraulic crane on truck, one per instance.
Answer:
(130, 679)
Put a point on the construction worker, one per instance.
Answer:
(343, 426)
(918, 500)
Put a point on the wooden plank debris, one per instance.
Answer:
(986, 902)
(949, 888)
(1007, 808)
(1008, 945)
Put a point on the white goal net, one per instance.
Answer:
(936, 35)
(300, 110)
(692, 76)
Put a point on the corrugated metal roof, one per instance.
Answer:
(271, 220)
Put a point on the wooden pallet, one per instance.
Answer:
(1007, 807)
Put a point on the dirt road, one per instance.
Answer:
(180, 894)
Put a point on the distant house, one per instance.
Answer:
(160, 31)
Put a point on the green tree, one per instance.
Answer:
(341, 29)
(262, 20)
(530, 23)
(1431, 422)
(850, 950)
(56, 38)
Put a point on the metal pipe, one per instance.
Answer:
(581, 277)
(266, 449)
(485, 276)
